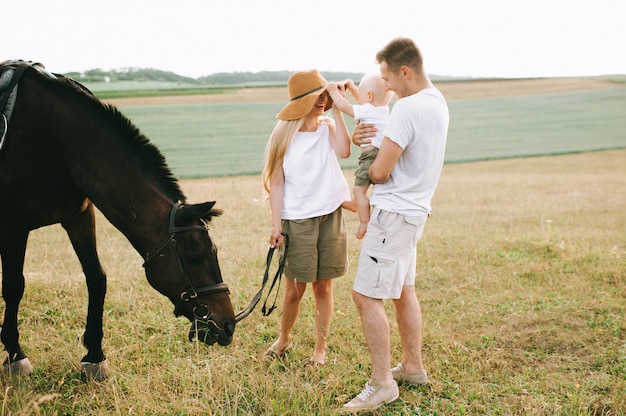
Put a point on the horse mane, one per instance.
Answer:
(151, 157)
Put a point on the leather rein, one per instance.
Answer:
(277, 278)
(200, 311)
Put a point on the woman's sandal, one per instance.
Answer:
(313, 365)
(272, 353)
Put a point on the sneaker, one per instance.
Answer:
(400, 374)
(372, 397)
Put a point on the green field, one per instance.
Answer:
(135, 86)
(224, 139)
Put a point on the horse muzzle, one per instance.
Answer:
(204, 327)
(209, 332)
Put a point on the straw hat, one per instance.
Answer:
(304, 88)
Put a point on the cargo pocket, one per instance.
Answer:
(385, 268)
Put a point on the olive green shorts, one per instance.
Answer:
(318, 248)
(361, 174)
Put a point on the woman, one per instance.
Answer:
(306, 188)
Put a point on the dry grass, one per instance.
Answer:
(521, 276)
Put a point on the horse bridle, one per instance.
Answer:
(200, 311)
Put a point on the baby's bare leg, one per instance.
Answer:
(363, 209)
(349, 205)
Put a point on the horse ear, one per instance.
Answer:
(203, 211)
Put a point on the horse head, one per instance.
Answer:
(186, 270)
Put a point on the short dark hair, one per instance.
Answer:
(399, 52)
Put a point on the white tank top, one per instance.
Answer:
(314, 182)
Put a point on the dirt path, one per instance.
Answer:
(452, 90)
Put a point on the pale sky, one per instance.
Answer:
(478, 38)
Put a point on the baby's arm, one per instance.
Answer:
(354, 90)
(339, 100)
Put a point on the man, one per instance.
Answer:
(405, 173)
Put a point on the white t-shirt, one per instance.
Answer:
(419, 125)
(370, 114)
(314, 182)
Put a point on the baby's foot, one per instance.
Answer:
(349, 205)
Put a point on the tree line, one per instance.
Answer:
(222, 78)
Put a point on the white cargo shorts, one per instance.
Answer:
(388, 254)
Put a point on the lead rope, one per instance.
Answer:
(277, 278)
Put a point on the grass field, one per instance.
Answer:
(521, 277)
(209, 138)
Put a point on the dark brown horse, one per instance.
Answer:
(64, 152)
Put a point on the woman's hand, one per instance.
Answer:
(333, 87)
(276, 238)
(363, 133)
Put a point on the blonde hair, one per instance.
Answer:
(276, 148)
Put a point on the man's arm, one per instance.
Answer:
(386, 159)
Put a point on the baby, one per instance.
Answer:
(373, 108)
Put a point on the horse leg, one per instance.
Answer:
(12, 249)
(81, 230)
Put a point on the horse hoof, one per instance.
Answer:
(21, 367)
(95, 371)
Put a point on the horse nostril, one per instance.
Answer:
(229, 328)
